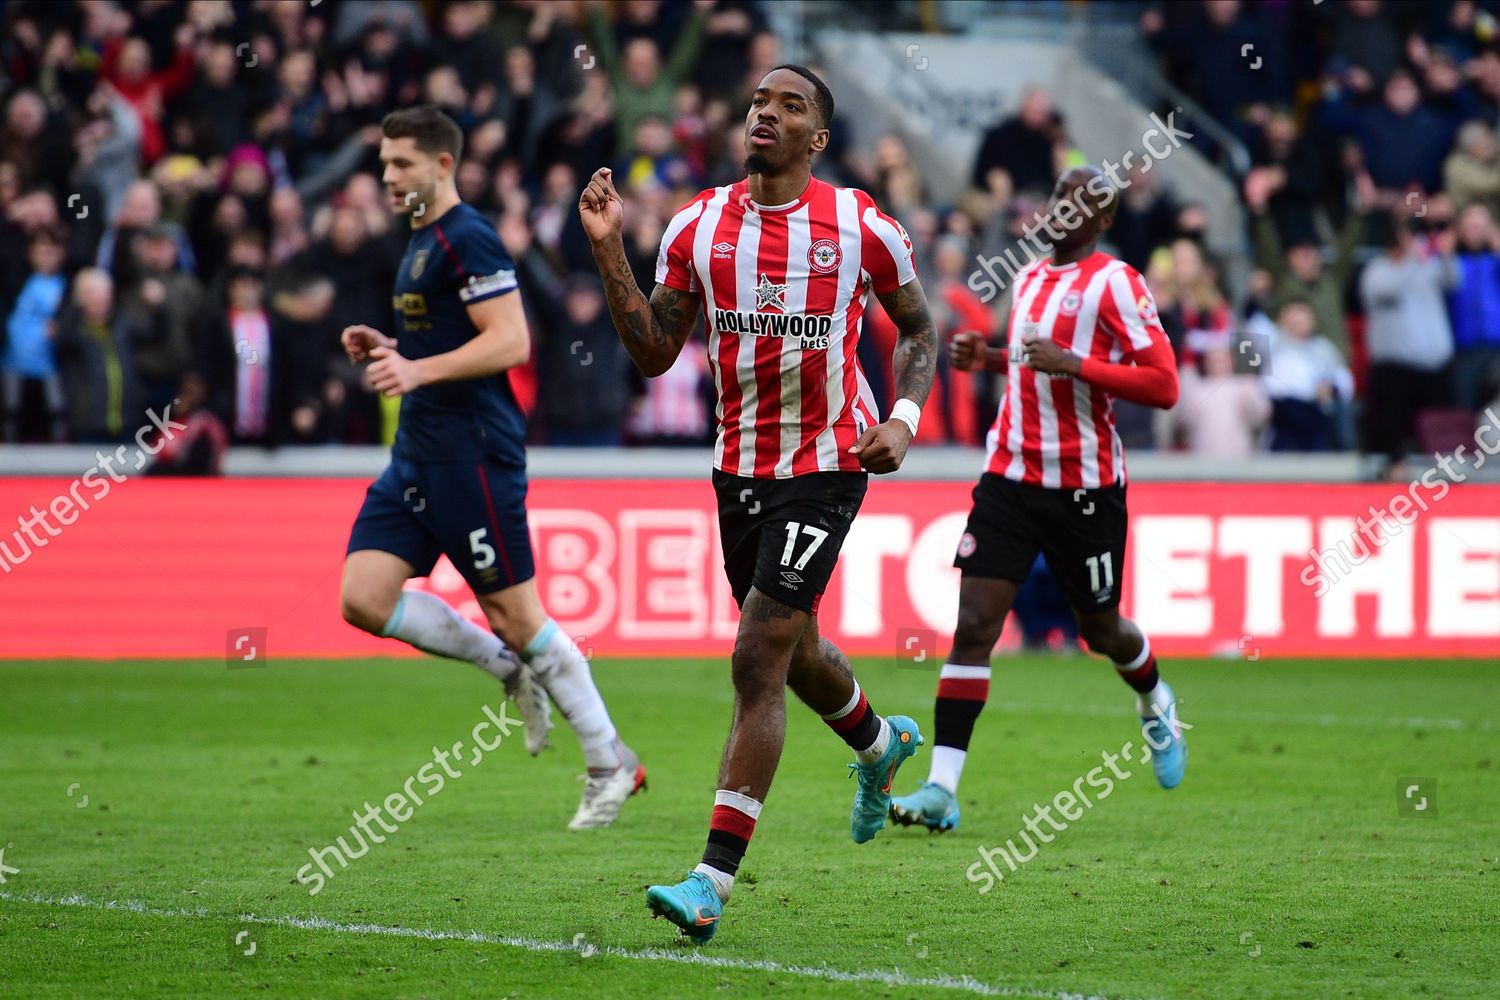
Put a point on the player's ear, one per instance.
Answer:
(446, 162)
(820, 140)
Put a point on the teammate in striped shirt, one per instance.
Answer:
(782, 265)
(1083, 330)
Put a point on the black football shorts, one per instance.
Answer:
(1081, 532)
(783, 536)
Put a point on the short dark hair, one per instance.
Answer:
(428, 127)
(823, 96)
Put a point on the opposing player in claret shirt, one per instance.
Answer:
(782, 265)
(1083, 329)
(456, 484)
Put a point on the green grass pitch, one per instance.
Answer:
(1288, 864)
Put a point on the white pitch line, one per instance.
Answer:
(895, 977)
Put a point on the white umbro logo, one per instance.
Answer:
(723, 250)
(789, 579)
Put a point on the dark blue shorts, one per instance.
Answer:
(472, 512)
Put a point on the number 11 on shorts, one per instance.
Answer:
(792, 529)
(1094, 563)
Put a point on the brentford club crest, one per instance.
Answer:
(824, 256)
(967, 545)
(1071, 303)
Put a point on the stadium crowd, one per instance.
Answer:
(191, 212)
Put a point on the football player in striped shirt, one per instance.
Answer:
(782, 265)
(1083, 330)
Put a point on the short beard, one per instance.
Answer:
(755, 163)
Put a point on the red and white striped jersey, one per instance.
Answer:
(1060, 431)
(783, 291)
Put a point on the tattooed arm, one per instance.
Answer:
(653, 332)
(916, 349)
(883, 448)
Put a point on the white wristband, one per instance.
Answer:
(908, 412)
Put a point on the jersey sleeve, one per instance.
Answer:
(1128, 314)
(481, 266)
(674, 261)
(885, 249)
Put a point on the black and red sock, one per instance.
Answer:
(961, 694)
(729, 831)
(856, 723)
(1140, 673)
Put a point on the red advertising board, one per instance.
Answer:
(162, 568)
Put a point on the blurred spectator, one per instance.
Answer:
(1305, 376)
(1471, 174)
(1024, 149)
(38, 147)
(733, 28)
(897, 186)
(1145, 219)
(28, 372)
(641, 85)
(1475, 306)
(126, 64)
(172, 302)
(1220, 413)
(651, 160)
(583, 369)
(108, 148)
(671, 410)
(1193, 308)
(307, 343)
(140, 209)
(362, 269)
(220, 102)
(1205, 47)
(1403, 143)
(473, 52)
(963, 410)
(525, 104)
(242, 361)
(1366, 40)
(1297, 172)
(288, 235)
(1296, 266)
(310, 128)
(1409, 337)
(95, 356)
(197, 448)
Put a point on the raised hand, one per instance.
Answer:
(601, 207)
